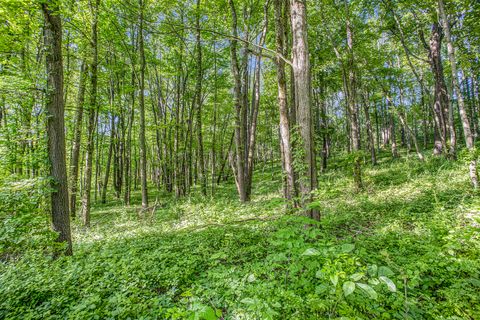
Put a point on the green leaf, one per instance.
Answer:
(251, 277)
(356, 276)
(391, 286)
(385, 271)
(334, 279)
(321, 289)
(206, 313)
(311, 252)
(348, 288)
(247, 301)
(369, 290)
(347, 247)
(372, 270)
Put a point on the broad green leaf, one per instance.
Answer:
(251, 277)
(247, 301)
(356, 276)
(372, 270)
(311, 252)
(321, 289)
(347, 247)
(334, 279)
(385, 271)
(348, 288)
(369, 290)
(206, 313)
(391, 286)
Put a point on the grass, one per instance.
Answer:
(415, 224)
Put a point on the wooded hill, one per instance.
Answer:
(124, 111)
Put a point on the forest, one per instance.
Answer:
(239, 159)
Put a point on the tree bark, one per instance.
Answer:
(239, 110)
(55, 124)
(441, 101)
(368, 124)
(352, 105)
(283, 103)
(143, 147)
(92, 110)
(467, 132)
(109, 160)
(198, 100)
(77, 139)
(302, 78)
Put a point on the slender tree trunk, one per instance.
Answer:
(368, 124)
(456, 85)
(198, 98)
(352, 105)
(77, 139)
(91, 119)
(252, 132)
(283, 103)
(55, 123)
(143, 147)
(109, 160)
(441, 102)
(128, 145)
(239, 108)
(214, 136)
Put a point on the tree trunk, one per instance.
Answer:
(352, 106)
(77, 139)
(302, 77)
(143, 147)
(109, 160)
(283, 103)
(55, 123)
(239, 108)
(91, 119)
(368, 124)
(198, 100)
(441, 101)
(456, 85)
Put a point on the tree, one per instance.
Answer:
(143, 147)
(92, 115)
(55, 123)
(286, 148)
(75, 158)
(461, 103)
(302, 80)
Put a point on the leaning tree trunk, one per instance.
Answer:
(467, 132)
(302, 79)
(441, 101)
(55, 123)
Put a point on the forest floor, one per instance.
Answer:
(407, 247)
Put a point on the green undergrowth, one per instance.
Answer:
(406, 247)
